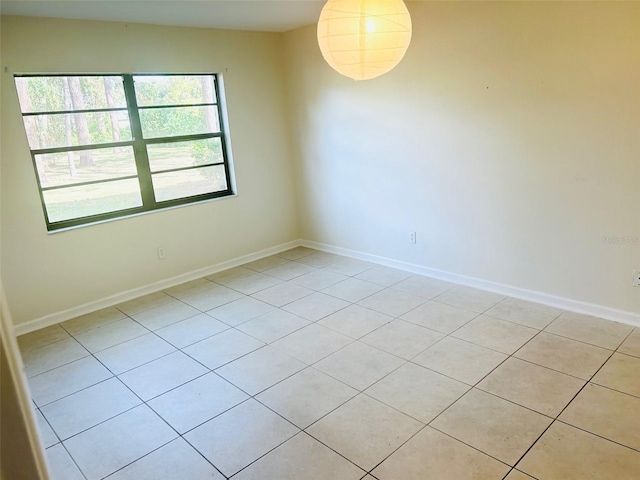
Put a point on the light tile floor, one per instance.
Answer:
(308, 365)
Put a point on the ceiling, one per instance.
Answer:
(263, 15)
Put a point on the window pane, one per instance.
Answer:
(49, 94)
(187, 183)
(167, 156)
(174, 89)
(173, 122)
(85, 166)
(76, 202)
(51, 131)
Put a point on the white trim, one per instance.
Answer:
(630, 318)
(16, 370)
(121, 297)
(578, 306)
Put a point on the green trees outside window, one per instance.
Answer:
(107, 146)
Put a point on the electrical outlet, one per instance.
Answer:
(162, 253)
(636, 278)
(412, 237)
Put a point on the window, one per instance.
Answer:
(108, 146)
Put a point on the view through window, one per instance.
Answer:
(107, 146)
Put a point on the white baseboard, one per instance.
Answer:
(563, 303)
(121, 297)
(601, 311)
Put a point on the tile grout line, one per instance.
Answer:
(454, 402)
(360, 391)
(155, 413)
(350, 303)
(565, 407)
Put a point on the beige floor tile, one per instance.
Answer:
(175, 460)
(434, 455)
(538, 388)
(566, 453)
(253, 283)
(516, 475)
(460, 360)
(499, 335)
(402, 339)
(315, 306)
(86, 408)
(470, 298)
(439, 316)
(266, 263)
(166, 314)
(301, 457)
(192, 330)
(353, 290)
(222, 348)
(157, 377)
(319, 279)
(631, 346)
(282, 294)
(93, 320)
(259, 370)
(111, 445)
(306, 396)
(359, 365)
(607, 413)
(226, 276)
(290, 270)
(425, 287)
(418, 392)
(349, 266)
(190, 288)
(52, 356)
(196, 402)
(212, 298)
(564, 355)
(384, 276)
(534, 315)
(236, 438)
(145, 302)
(319, 259)
(364, 430)
(61, 466)
(493, 425)
(621, 372)
(273, 325)
(47, 435)
(392, 302)
(109, 335)
(312, 343)
(240, 311)
(596, 331)
(296, 253)
(136, 352)
(41, 338)
(67, 379)
(355, 321)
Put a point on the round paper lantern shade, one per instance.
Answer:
(363, 39)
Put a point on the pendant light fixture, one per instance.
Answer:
(363, 39)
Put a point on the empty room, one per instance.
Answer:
(320, 240)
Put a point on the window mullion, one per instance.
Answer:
(139, 146)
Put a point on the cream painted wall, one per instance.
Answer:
(46, 273)
(508, 139)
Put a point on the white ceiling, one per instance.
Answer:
(265, 15)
